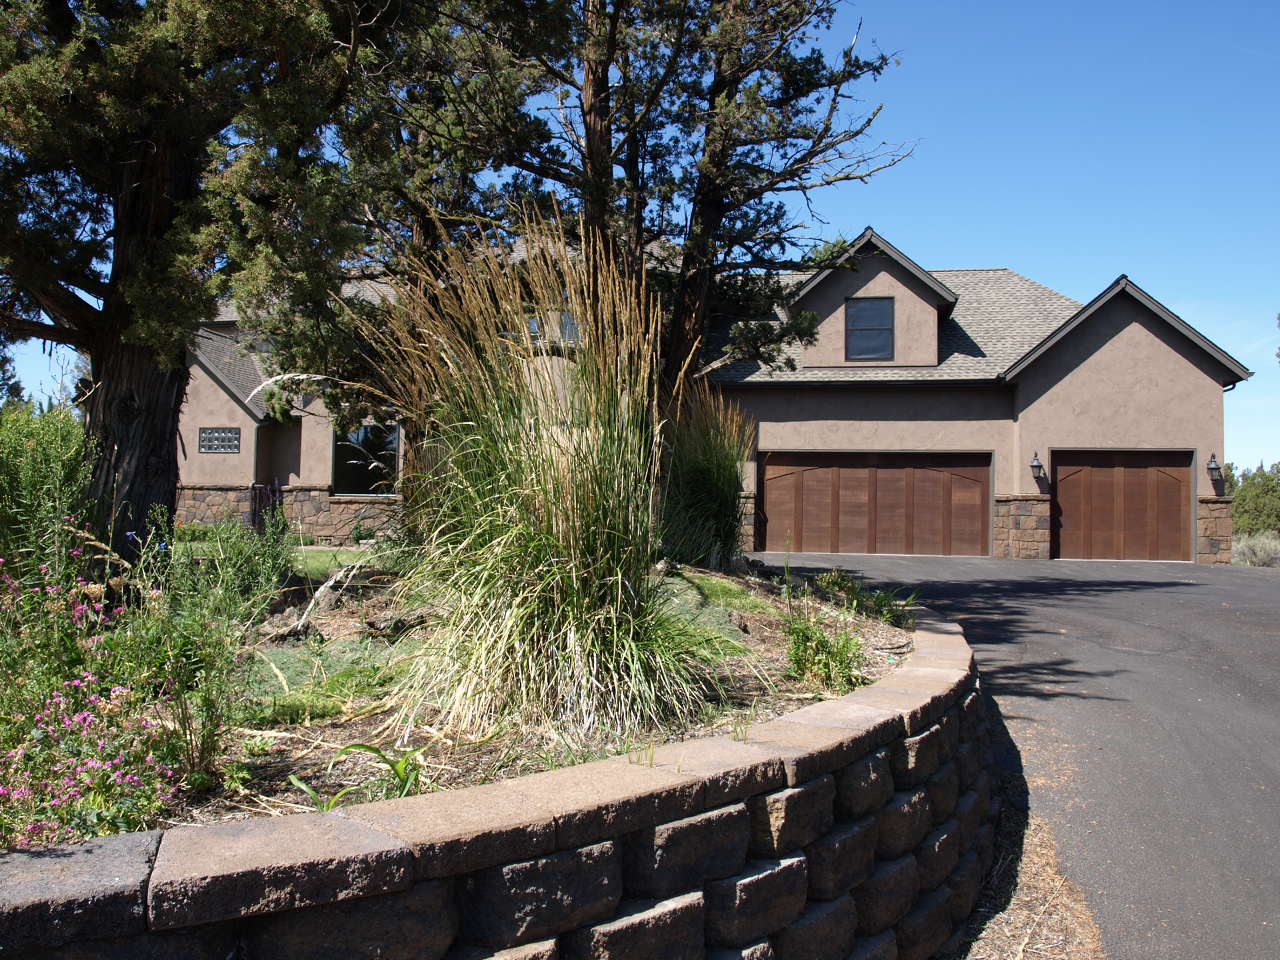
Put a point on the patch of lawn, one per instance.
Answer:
(688, 604)
(318, 564)
(310, 681)
(725, 593)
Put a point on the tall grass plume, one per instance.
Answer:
(531, 389)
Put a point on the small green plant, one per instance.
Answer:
(321, 804)
(404, 770)
(642, 756)
(878, 604)
(740, 724)
(833, 660)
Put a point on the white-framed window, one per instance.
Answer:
(366, 461)
(868, 328)
(219, 440)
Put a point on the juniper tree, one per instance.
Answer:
(114, 119)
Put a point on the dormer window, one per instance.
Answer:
(868, 328)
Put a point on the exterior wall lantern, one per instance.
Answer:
(1037, 468)
(1214, 468)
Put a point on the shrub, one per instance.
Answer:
(878, 604)
(833, 660)
(138, 669)
(708, 442)
(44, 477)
(1256, 549)
(1257, 501)
(536, 504)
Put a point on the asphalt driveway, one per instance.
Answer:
(1143, 700)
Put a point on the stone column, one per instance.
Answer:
(1020, 527)
(1213, 530)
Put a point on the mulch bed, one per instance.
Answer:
(757, 686)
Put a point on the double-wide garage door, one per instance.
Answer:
(1122, 505)
(875, 503)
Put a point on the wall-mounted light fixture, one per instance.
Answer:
(1037, 468)
(1214, 468)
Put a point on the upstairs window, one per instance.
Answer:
(366, 460)
(868, 328)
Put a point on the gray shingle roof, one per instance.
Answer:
(999, 317)
(225, 353)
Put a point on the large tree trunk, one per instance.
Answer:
(131, 415)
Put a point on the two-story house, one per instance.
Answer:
(978, 412)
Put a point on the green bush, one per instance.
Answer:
(137, 672)
(44, 476)
(834, 660)
(1257, 501)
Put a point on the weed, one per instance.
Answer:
(878, 604)
(404, 769)
(740, 724)
(321, 804)
(834, 660)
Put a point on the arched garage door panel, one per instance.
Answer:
(876, 503)
(1122, 505)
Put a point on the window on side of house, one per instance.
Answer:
(219, 440)
(366, 460)
(868, 328)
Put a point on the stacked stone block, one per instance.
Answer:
(1213, 530)
(311, 510)
(854, 829)
(213, 503)
(1021, 526)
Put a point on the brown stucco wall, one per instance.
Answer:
(872, 419)
(208, 405)
(1123, 380)
(915, 313)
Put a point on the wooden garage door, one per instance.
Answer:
(1122, 506)
(875, 503)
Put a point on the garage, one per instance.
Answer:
(875, 503)
(1133, 505)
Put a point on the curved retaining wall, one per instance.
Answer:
(852, 828)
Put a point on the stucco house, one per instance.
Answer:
(978, 412)
(970, 412)
(235, 459)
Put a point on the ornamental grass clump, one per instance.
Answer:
(534, 384)
(708, 441)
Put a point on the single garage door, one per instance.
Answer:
(1122, 506)
(875, 503)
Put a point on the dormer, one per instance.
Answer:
(876, 307)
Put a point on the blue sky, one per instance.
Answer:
(1076, 142)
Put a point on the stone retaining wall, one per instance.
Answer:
(1020, 526)
(852, 829)
(312, 510)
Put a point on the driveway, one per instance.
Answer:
(1143, 700)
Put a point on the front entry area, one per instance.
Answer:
(875, 503)
(1132, 505)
